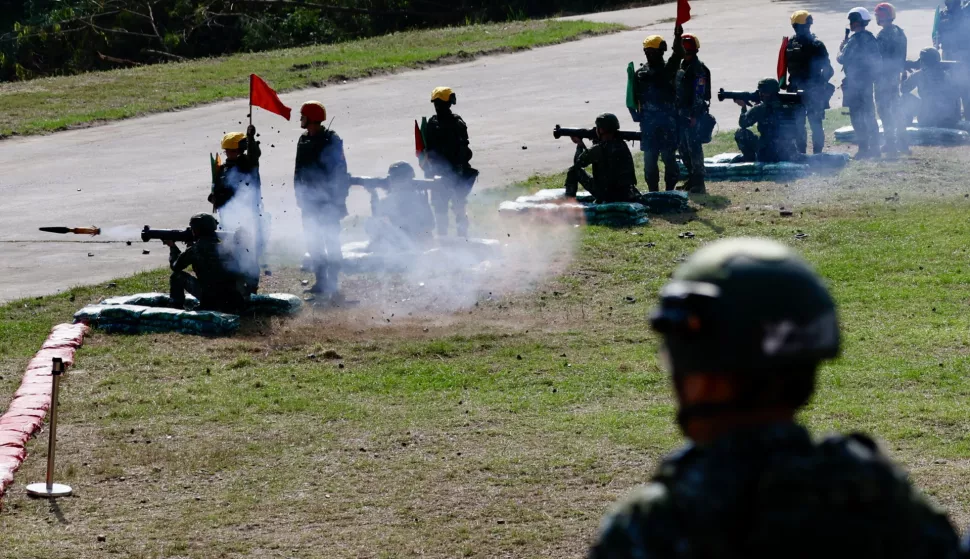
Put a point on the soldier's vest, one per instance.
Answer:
(801, 54)
(656, 91)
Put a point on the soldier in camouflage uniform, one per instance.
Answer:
(953, 35)
(446, 142)
(614, 177)
(892, 47)
(215, 284)
(693, 98)
(809, 71)
(938, 104)
(745, 324)
(776, 130)
(861, 60)
(656, 110)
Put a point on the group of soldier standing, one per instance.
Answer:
(226, 272)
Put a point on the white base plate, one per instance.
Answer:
(56, 490)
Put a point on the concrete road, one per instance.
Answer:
(155, 170)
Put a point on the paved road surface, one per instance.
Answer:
(155, 170)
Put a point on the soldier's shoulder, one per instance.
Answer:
(643, 517)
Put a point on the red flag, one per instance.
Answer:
(683, 12)
(783, 60)
(263, 96)
(418, 140)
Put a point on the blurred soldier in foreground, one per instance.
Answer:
(860, 59)
(953, 34)
(402, 221)
(693, 89)
(236, 192)
(809, 71)
(745, 324)
(892, 47)
(217, 286)
(446, 138)
(657, 112)
(614, 177)
(938, 103)
(776, 129)
(321, 184)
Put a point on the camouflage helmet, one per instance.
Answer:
(400, 170)
(608, 122)
(204, 223)
(929, 57)
(748, 307)
(769, 85)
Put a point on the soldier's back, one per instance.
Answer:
(773, 492)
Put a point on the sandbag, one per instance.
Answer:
(668, 201)
(135, 319)
(274, 304)
(552, 202)
(916, 136)
(730, 166)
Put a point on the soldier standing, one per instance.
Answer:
(776, 138)
(860, 59)
(236, 192)
(892, 47)
(953, 30)
(693, 90)
(745, 324)
(446, 139)
(657, 110)
(321, 184)
(809, 71)
(614, 177)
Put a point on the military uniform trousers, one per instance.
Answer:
(659, 142)
(888, 103)
(862, 113)
(321, 228)
(451, 195)
(812, 110)
(692, 153)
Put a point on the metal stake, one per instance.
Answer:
(49, 489)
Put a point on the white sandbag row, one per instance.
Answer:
(916, 136)
(552, 203)
(729, 166)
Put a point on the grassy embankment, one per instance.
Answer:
(505, 429)
(50, 104)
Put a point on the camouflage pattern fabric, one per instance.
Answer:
(614, 177)
(772, 492)
(776, 140)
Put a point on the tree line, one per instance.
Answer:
(56, 37)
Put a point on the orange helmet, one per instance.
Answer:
(691, 42)
(885, 9)
(314, 111)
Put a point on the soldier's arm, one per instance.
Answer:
(586, 157)
(641, 527)
(180, 260)
(702, 93)
(751, 117)
(825, 62)
(252, 146)
(910, 83)
(338, 165)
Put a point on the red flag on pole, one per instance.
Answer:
(783, 61)
(418, 140)
(263, 96)
(683, 12)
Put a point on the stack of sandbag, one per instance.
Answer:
(731, 166)
(138, 319)
(666, 202)
(552, 203)
(916, 136)
(274, 304)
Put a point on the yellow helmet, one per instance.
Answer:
(655, 42)
(801, 17)
(443, 94)
(232, 140)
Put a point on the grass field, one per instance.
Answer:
(50, 104)
(505, 429)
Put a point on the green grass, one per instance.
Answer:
(505, 429)
(50, 104)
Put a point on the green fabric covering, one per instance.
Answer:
(553, 202)
(728, 166)
(917, 136)
(138, 319)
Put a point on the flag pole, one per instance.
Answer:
(250, 99)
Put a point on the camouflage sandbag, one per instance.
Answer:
(666, 202)
(274, 304)
(916, 136)
(128, 314)
(149, 300)
(89, 315)
(582, 209)
(730, 166)
(135, 319)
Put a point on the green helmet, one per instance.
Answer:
(400, 170)
(608, 122)
(204, 223)
(769, 85)
(929, 57)
(749, 307)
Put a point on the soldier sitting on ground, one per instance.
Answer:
(614, 178)
(403, 220)
(745, 325)
(938, 104)
(215, 283)
(776, 127)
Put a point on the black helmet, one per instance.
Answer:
(929, 57)
(769, 85)
(746, 306)
(204, 223)
(400, 170)
(608, 122)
